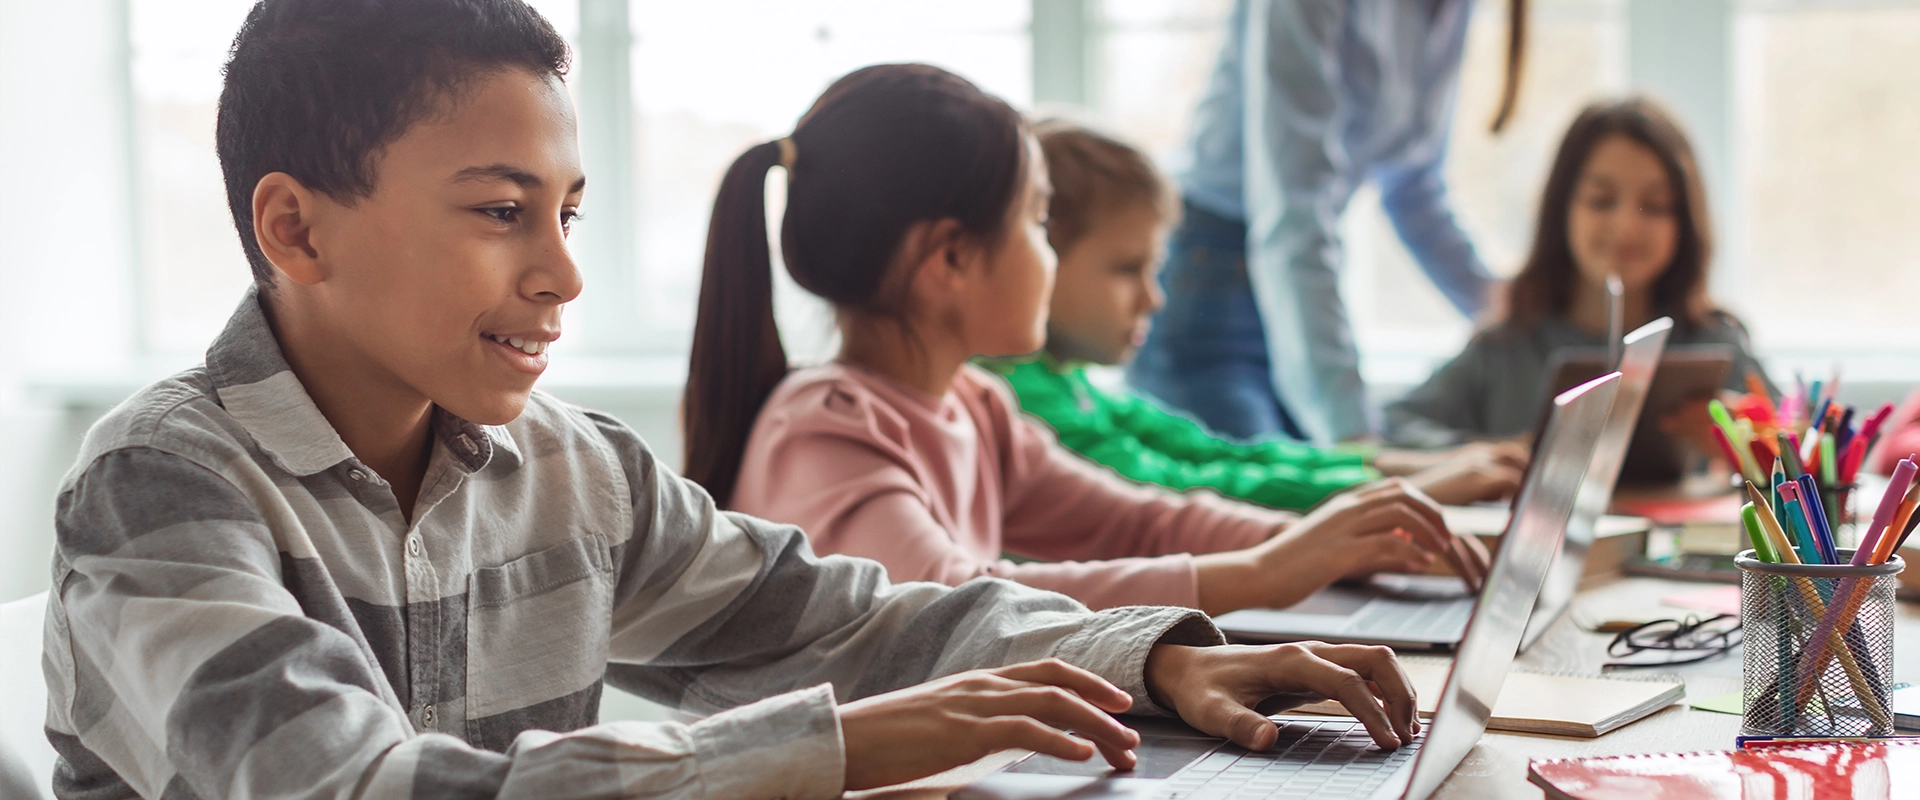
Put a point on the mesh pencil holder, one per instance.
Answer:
(1818, 652)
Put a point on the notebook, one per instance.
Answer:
(1870, 769)
(1543, 702)
(1906, 708)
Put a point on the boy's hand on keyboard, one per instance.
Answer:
(944, 723)
(1216, 689)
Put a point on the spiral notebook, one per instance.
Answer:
(1544, 702)
(1870, 769)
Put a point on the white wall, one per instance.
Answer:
(67, 230)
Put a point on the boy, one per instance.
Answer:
(354, 555)
(1108, 220)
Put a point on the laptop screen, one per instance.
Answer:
(1532, 538)
(1638, 359)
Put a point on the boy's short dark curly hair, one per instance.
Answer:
(315, 88)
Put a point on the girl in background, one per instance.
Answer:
(1624, 197)
(916, 206)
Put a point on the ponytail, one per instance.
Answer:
(737, 358)
(1516, 62)
(884, 148)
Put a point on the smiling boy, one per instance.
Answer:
(354, 554)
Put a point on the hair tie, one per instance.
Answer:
(787, 153)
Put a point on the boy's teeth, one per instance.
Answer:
(528, 346)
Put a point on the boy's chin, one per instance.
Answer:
(488, 408)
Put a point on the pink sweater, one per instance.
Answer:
(937, 488)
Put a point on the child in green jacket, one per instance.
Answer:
(1108, 220)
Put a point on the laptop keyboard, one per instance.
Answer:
(1311, 759)
(1387, 619)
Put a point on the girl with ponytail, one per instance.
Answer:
(916, 206)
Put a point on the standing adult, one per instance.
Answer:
(1310, 100)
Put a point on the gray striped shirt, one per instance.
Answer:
(241, 611)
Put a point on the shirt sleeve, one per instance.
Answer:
(240, 692)
(1295, 191)
(1158, 446)
(714, 609)
(1059, 507)
(1415, 199)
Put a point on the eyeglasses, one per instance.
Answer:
(1672, 642)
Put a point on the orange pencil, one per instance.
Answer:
(1891, 539)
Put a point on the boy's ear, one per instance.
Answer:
(284, 210)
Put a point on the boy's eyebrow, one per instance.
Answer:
(510, 173)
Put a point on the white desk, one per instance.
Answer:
(1497, 768)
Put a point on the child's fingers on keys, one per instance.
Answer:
(1053, 671)
(1479, 562)
(1386, 680)
(1058, 708)
(1429, 533)
(1025, 733)
(1350, 688)
(1221, 714)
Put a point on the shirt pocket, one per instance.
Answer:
(537, 631)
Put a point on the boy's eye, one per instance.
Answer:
(506, 214)
(568, 217)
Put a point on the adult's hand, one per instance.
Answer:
(941, 724)
(1218, 689)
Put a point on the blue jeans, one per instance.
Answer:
(1207, 352)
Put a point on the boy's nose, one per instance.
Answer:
(1156, 297)
(556, 279)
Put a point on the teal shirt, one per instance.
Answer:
(1143, 442)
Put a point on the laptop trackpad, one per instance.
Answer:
(1159, 758)
(1419, 587)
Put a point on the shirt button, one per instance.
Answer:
(357, 475)
(426, 716)
(413, 545)
(472, 448)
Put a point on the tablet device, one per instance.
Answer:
(1694, 372)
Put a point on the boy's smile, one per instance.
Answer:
(444, 285)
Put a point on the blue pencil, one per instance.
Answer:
(1817, 514)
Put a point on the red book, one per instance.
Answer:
(1870, 769)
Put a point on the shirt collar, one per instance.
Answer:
(255, 385)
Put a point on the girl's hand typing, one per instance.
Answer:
(1390, 526)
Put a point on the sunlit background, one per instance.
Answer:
(116, 245)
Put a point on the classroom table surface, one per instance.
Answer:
(1497, 767)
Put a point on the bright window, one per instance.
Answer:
(1829, 103)
(192, 271)
(711, 79)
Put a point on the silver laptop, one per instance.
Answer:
(1639, 357)
(1409, 611)
(1334, 756)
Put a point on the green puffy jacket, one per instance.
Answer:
(1140, 440)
